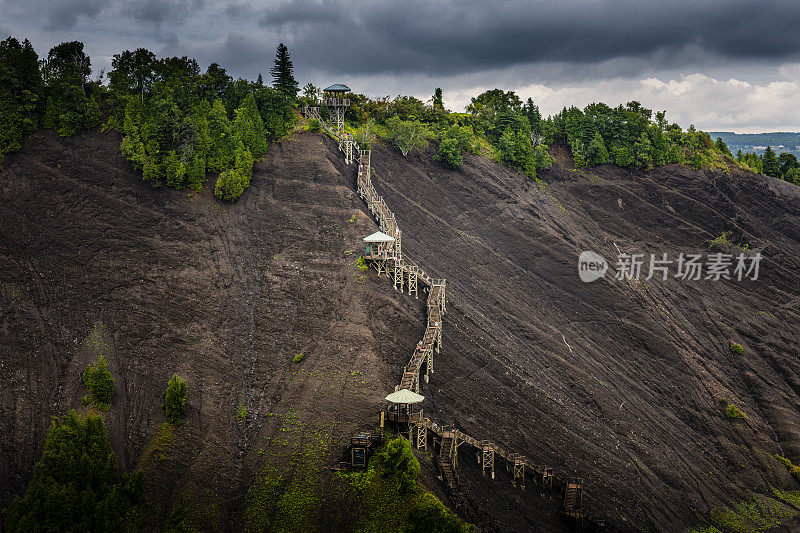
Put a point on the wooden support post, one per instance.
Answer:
(517, 469)
(398, 275)
(380, 266)
(439, 337)
(398, 250)
(428, 364)
(488, 457)
(547, 480)
(412, 280)
(422, 435)
(456, 444)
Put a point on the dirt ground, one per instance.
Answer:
(93, 260)
(615, 383)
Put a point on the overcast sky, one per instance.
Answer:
(720, 64)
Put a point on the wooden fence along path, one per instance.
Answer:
(407, 274)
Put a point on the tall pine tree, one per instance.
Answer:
(770, 163)
(283, 73)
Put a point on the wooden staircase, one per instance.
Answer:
(573, 499)
(446, 467)
(408, 381)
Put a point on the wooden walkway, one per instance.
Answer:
(407, 274)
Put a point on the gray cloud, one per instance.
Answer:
(553, 51)
(64, 15)
(450, 37)
(157, 11)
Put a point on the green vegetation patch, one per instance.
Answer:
(241, 413)
(100, 384)
(361, 269)
(175, 399)
(793, 469)
(762, 513)
(737, 349)
(386, 497)
(195, 510)
(287, 496)
(733, 412)
(76, 485)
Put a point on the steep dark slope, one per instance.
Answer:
(617, 383)
(222, 294)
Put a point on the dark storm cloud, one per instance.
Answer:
(157, 11)
(64, 15)
(446, 37)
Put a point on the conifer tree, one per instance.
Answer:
(175, 399)
(220, 153)
(283, 73)
(597, 154)
(769, 163)
(248, 127)
(243, 164)
(438, 101)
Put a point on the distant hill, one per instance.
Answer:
(780, 141)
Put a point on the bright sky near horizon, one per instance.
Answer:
(728, 65)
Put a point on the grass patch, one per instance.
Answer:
(762, 513)
(794, 470)
(737, 349)
(241, 413)
(194, 510)
(298, 357)
(290, 497)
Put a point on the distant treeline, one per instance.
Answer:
(178, 122)
(780, 141)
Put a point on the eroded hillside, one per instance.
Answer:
(93, 260)
(616, 383)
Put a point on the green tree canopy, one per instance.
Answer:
(21, 93)
(408, 135)
(597, 154)
(68, 61)
(175, 399)
(75, 484)
(132, 72)
(398, 458)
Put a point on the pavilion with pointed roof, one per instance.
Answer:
(337, 88)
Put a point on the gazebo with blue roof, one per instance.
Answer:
(338, 88)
